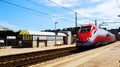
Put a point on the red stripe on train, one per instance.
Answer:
(103, 38)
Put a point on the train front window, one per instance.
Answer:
(85, 29)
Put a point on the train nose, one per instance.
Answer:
(83, 37)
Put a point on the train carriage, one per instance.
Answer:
(91, 35)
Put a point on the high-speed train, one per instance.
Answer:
(91, 35)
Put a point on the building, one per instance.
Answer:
(68, 37)
(7, 38)
(24, 38)
(40, 39)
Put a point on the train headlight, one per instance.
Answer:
(87, 38)
(77, 39)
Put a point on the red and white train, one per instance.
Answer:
(91, 35)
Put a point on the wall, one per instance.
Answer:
(47, 41)
(67, 39)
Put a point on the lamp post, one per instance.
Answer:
(55, 32)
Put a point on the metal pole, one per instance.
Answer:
(75, 22)
(55, 32)
(95, 22)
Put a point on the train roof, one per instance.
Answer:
(87, 25)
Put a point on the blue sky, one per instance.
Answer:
(17, 18)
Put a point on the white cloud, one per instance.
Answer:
(65, 3)
(107, 10)
(94, 1)
(13, 27)
(9, 26)
(84, 21)
(84, 12)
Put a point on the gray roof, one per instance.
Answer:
(45, 33)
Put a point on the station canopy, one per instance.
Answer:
(25, 32)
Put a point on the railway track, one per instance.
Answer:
(33, 57)
(27, 59)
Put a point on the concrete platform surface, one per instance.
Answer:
(110, 58)
(13, 51)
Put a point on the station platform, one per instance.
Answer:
(14, 51)
(105, 56)
(108, 58)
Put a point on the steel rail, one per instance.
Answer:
(33, 57)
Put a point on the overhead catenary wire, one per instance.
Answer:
(30, 9)
(92, 18)
(39, 4)
(67, 9)
(23, 7)
(61, 6)
(47, 7)
(73, 4)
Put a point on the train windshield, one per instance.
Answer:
(85, 29)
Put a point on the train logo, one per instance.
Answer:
(83, 34)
